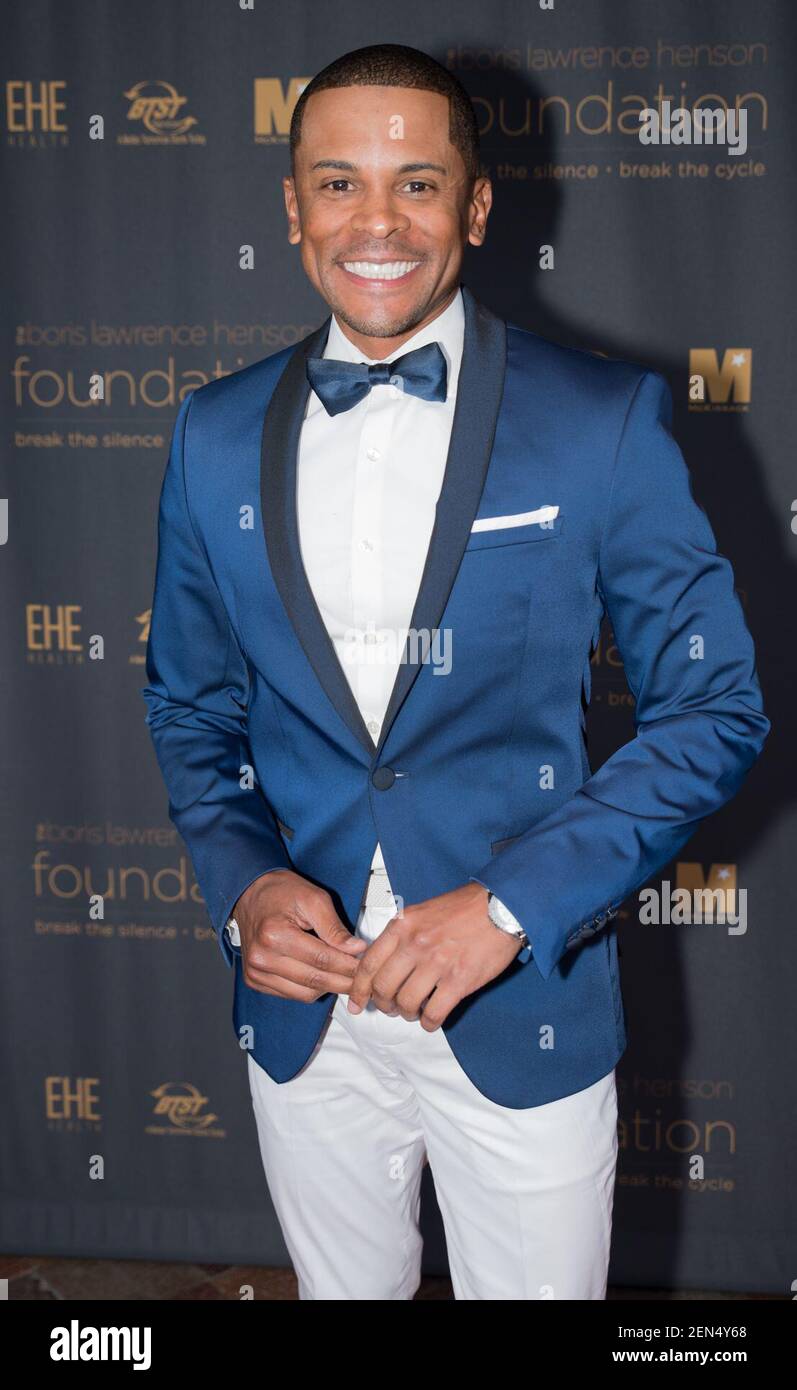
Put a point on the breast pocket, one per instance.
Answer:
(515, 535)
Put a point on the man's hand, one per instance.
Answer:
(277, 917)
(431, 957)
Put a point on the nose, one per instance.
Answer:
(377, 215)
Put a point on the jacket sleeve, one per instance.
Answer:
(196, 696)
(690, 664)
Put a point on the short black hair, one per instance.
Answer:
(394, 65)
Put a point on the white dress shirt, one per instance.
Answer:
(368, 481)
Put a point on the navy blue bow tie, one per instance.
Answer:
(340, 385)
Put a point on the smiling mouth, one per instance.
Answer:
(380, 270)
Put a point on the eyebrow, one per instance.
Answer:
(404, 168)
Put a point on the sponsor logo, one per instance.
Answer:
(714, 387)
(72, 1103)
(35, 114)
(157, 108)
(274, 106)
(179, 1107)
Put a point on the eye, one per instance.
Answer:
(417, 186)
(338, 185)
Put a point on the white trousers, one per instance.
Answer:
(525, 1195)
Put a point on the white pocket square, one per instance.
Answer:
(497, 523)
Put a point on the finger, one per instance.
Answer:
(415, 991)
(319, 915)
(284, 989)
(318, 981)
(392, 975)
(286, 939)
(436, 1009)
(378, 952)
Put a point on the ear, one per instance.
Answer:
(481, 200)
(292, 209)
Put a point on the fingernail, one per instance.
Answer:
(353, 1008)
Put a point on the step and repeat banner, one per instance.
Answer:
(144, 252)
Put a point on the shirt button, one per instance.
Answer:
(366, 545)
(373, 455)
(373, 727)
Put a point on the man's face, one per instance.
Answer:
(382, 207)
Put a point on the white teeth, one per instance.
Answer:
(385, 270)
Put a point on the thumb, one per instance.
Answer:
(327, 924)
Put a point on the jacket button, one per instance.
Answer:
(383, 778)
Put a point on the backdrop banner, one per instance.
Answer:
(145, 252)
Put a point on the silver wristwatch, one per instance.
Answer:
(503, 919)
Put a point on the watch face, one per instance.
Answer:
(500, 915)
(505, 921)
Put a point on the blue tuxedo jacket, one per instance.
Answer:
(481, 773)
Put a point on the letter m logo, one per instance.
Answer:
(274, 107)
(733, 377)
(715, 891)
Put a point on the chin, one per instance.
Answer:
(379, 320)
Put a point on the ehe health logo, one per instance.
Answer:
(35, 114)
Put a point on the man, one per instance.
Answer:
(378, 590)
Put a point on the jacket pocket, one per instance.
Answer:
(515, 535)
(497, 845)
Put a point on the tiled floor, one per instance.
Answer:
(41, 1277)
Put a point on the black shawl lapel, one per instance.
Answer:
(479, 392)
(280, 444)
